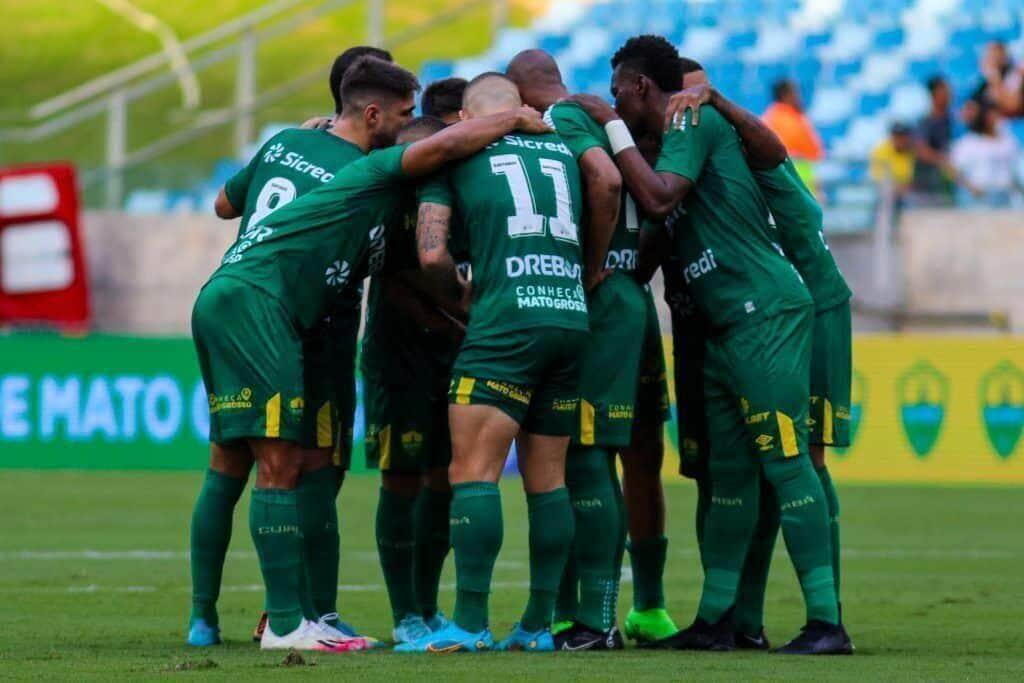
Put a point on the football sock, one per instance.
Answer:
(620, 550)
(430, 526)
(395, 544)
(318, 518)
(568, 598)
(210, 536)
(551, 534)
(728, 526)
(832, 499)
(476, 529)
(703, 505)
(748, 616)
(590, 478)
(274, 523)
(647, 557)
(804, 517)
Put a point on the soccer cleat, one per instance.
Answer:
(311, 636)
(261, 626)
(450, 639)
(560, 626)
(332, 620)
(819, 638)
(580, 637)
(748, 642)
(340, 631)
(201, 634)
(649, 625)
(526, 641)
(701, 635)
(410, 628)
(436, 622)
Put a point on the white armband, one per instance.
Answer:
(618, 135)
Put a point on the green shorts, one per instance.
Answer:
(831, 373)
(531, 375)
(342, 376)
(652, 400)
(406, 426)
(610, 364)
(251, 359)
(688, 352)
(756, 388)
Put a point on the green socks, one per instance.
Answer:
(832, 500)
(274, 523)
(476, 532)
(210, 536)
(432, 539)
(728, 526)
(592, 481)
(647, 557)
(806, 532)
(318, 517)
(568, 599)
(551, 537)
(748, 616)
(395, 544)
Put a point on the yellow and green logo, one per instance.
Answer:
(1002, 409)
(922, 394)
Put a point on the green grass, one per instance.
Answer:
(51, 46)
(932, 589)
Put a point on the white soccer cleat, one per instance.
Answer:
(310, 636)
(340, 636)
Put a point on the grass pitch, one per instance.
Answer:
(94, 585)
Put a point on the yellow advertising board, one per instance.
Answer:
(932, 409)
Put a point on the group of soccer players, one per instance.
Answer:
(508, 255)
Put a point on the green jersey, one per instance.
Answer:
(305, 254)
(289, 165)
(797, 217)
(581, 134)
(518, 203)
(726, 255)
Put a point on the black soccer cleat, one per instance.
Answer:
(701, 635)
(580, 637)
(748, 642)
(819, 638)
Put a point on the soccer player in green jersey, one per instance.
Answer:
(757, 366)
(519, 204)
(274, 286)
(288, 165)
(798, 227)
(609, 365)
(409, 345)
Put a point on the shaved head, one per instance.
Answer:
(538, 78)
(490, 93)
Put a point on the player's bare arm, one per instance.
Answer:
(603, 185)
(655, 193)
(432, 229)
(763, 147)
(466, 138)
(223, 208)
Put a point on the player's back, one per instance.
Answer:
(287, 166)
(519, 202)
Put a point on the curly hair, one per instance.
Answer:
(653, 57)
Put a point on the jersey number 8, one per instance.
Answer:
(526, 221)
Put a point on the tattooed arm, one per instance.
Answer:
(442, 275)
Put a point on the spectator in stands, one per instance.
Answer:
(892, 160)
(1003, 85)
(786, 117)
(932, 173)
(985, 161)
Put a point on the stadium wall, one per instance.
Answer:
(925, 409)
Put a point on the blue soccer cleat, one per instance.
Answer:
(526, 641)
(411, 628)
(437, 622)
(201, 634)
(450, 639)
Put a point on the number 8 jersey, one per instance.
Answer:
(519, 202)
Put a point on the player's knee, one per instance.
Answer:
(231, 461)
(280, 468)
(781, 472)
(818, 456)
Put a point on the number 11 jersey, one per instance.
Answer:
(520, 203)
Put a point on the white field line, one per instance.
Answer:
(157, 555)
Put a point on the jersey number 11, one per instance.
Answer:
(526, 221)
